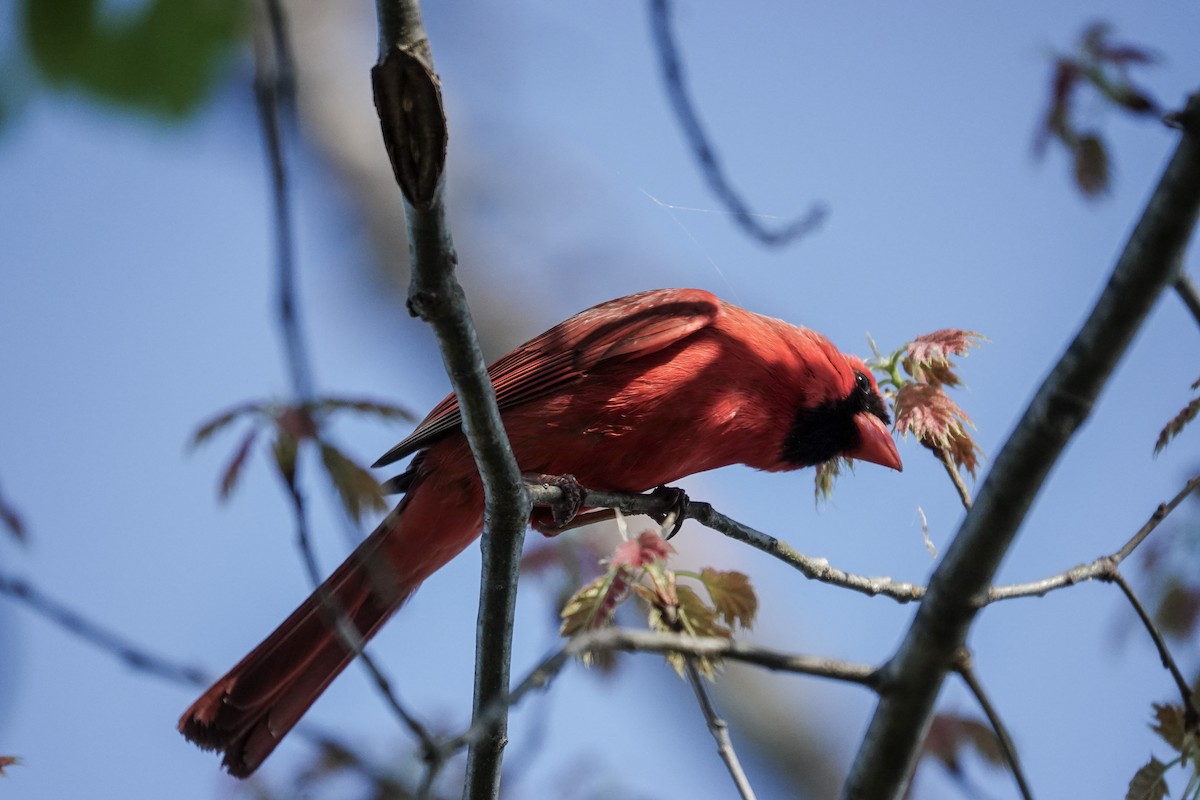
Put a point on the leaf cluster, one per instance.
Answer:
(1183, 737)
(291, 425)
(638, 568)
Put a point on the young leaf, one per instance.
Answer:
(1169, 725)
(285, 448)
(1091, 165)
(1177, 424)
(357, 488)
(1148, 783)
(593, 606)
(233, 470)
(211, 426)
(938, 422)
(7, 761)
(950, 734)
(371, 407)
(647, 548)
(732, 596)
(927, 358)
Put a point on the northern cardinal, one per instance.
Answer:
(629, 395)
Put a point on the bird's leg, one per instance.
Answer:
(562, 511)
(676, 502)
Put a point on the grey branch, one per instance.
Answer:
(407, 96)
(720, 732)
(890, 748)
(966, 669)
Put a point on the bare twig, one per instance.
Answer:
(720, 732)
(890, 748)
(96, 634)
(702, 148)
(1185, 691)
(965, 667)
(1101, 568)
(408, 99)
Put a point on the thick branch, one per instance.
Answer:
(914, 676)
(407, 96)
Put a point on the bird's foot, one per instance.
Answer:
(675, 502)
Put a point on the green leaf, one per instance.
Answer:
(163, 56)
(1148, 783)
(732, 595)
(357, 488)
(285, 449)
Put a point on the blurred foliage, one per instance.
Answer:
(161, 57)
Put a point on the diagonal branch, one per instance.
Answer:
(408, 99)
(1149, 263)
(720, 732)
(965, 667)
(702, 148)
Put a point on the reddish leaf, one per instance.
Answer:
(297, 422)
(927, 358)
(1148, 783)
(233, 470)
(937, 421)
(950, 735)
(211, 426)
(593, 606)
(7, 761)
(1177, 424)
(649, 547)
(732, 595)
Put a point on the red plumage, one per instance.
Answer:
(632, 394)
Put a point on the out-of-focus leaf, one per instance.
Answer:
(210, 427)
(297, 422)
(593, 605)
(7, 761)
(363, 406)
(732, 595)
(950, 735)
(1169, 725)
(647, 548)
(162, 56)
(1179, 609)
(357, 488)
(233, 470)
(1148, 783)
(285, 449)
(12, 520)
(1091, 165)
(1177, 424)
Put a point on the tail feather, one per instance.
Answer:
(247, 712)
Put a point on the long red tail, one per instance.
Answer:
(247, 712)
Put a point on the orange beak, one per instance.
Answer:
(875, 442)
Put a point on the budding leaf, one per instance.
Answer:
(732, 596)
(222, 420)
(937, 422)
(927, 357)
(375, 408)
(357, 488)
(1177, 424)
(647, 548)
(7, 761)
(1148, 783)
(233, 470)
(593, 606)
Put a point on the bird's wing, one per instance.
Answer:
(625, 328)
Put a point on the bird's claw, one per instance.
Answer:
(564, 510)
(676, 504)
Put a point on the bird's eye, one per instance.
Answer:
(862, 381)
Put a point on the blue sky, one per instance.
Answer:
(135, 301)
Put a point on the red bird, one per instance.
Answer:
(629, 395)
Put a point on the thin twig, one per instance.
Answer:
(1189, 294)
(1191, 716)
(813, 568)
(964, 493)
(274, 92)
(1101, 568)
(96, 634)
(702, 148)
(720, 732)
(965, 667)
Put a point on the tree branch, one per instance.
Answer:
(408, 98)
(965, 667)
(1189, 294)
(702, 148)
(720, 732)
(913, 677)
